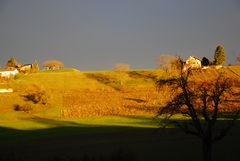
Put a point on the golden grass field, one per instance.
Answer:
(74, 94)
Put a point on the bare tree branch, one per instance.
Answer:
(203, 102)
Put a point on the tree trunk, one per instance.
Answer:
(207, 150)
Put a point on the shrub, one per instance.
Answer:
(205, 61)
(27, 107)
(36, 94)
(53, 64)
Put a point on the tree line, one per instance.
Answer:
(165, 61)
(12, 63)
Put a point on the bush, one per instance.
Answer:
(53, 64)
(36, 94)
(27, 107)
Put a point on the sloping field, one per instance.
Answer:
(104, 115)
(70, 89)
(73, 93)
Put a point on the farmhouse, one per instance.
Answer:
(193, 62)
(25, 67)
(8, 73)
(7, 90)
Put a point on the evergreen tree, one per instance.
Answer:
(219, 56)
(35, 67)
(205, 61)
(12, 62)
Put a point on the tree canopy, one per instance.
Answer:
(53, 64)
(220, 55)
(12, 62)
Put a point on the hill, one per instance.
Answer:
(96, 114)
(74, 94)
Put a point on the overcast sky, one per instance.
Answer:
(97, 34)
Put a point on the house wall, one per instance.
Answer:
(193, 62)
(25, 68)
(8, 74)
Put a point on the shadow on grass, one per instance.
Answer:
(144, 75)
(136, 100)
(104, 79)
(71, 141)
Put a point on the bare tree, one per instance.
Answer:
(238, 58)
(121, 70)
(168, 62)
(165, 61)
(203, 102)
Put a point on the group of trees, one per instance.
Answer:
(174, 62)
(13, 63)
(49, 64)
(219, 57)
(211, 106)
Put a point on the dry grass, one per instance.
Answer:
(110, 103)
(88, 94)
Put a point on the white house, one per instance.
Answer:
(8, 73)
(25, 67)
(193, 62)
(7, 90)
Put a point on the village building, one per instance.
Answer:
(25, 67)
(8, 73)
(193, 62)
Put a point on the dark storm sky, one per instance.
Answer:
(97, 34)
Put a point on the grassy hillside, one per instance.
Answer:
(98, 113)
(75, 94)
